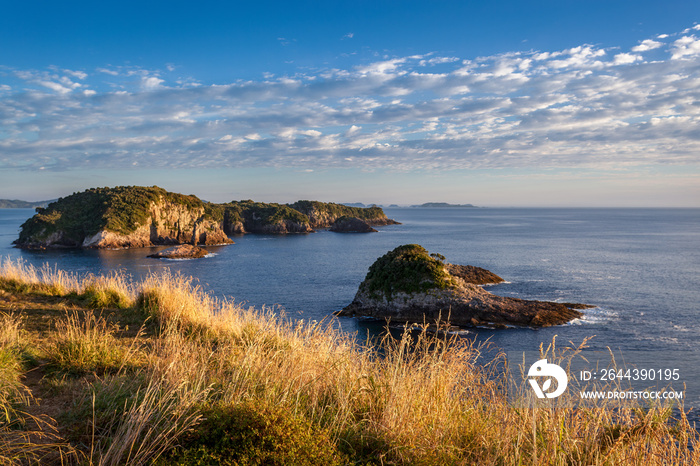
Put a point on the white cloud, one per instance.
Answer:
(311, 133)
(349, 35)
(625, 58)
(55, 87)
(437, 61)
(579, 57)
(558, 108)
(383, 67)
(647, 44)
(107, 71)
(151, 82)
(354, 129)
(76, 74)
(686, 46)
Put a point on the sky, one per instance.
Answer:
(500, 103)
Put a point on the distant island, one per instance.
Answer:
(17, 204)
(442, 204)
(135, 216)
(393, 206)
(357, 204)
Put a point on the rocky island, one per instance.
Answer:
(410, 285)
(183, 251)
(134, 216)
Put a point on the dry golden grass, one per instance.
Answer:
(85, 343)
(418, 399)
(12, 391)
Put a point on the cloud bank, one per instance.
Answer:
(585, 106)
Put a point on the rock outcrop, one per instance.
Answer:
(351, 225)
(408, 285)
(183, 251)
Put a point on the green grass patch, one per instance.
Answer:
(97, 412)
(252, 434)
(96, 297)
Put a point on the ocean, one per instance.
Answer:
(639, 267)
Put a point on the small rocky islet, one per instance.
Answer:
(182, 251)
(409, 285)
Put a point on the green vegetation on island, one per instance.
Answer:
(319, 212)
(103, 371)
(259, 216)
(408, 269)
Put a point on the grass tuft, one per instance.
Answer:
(84, 343)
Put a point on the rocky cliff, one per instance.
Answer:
(123, 217)
(408, 285)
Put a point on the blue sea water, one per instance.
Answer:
(640, 267)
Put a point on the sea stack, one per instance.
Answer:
(410, 285)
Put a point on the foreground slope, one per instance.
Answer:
(99, 370)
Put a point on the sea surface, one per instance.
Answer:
(640, 267)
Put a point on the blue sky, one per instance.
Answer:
(492, 103)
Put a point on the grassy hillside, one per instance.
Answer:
(98, 370)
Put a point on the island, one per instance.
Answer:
(438, 205)
(135, 216)
(409, 285)
(17, 204)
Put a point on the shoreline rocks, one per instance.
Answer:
(183, 251)
(407, 285)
